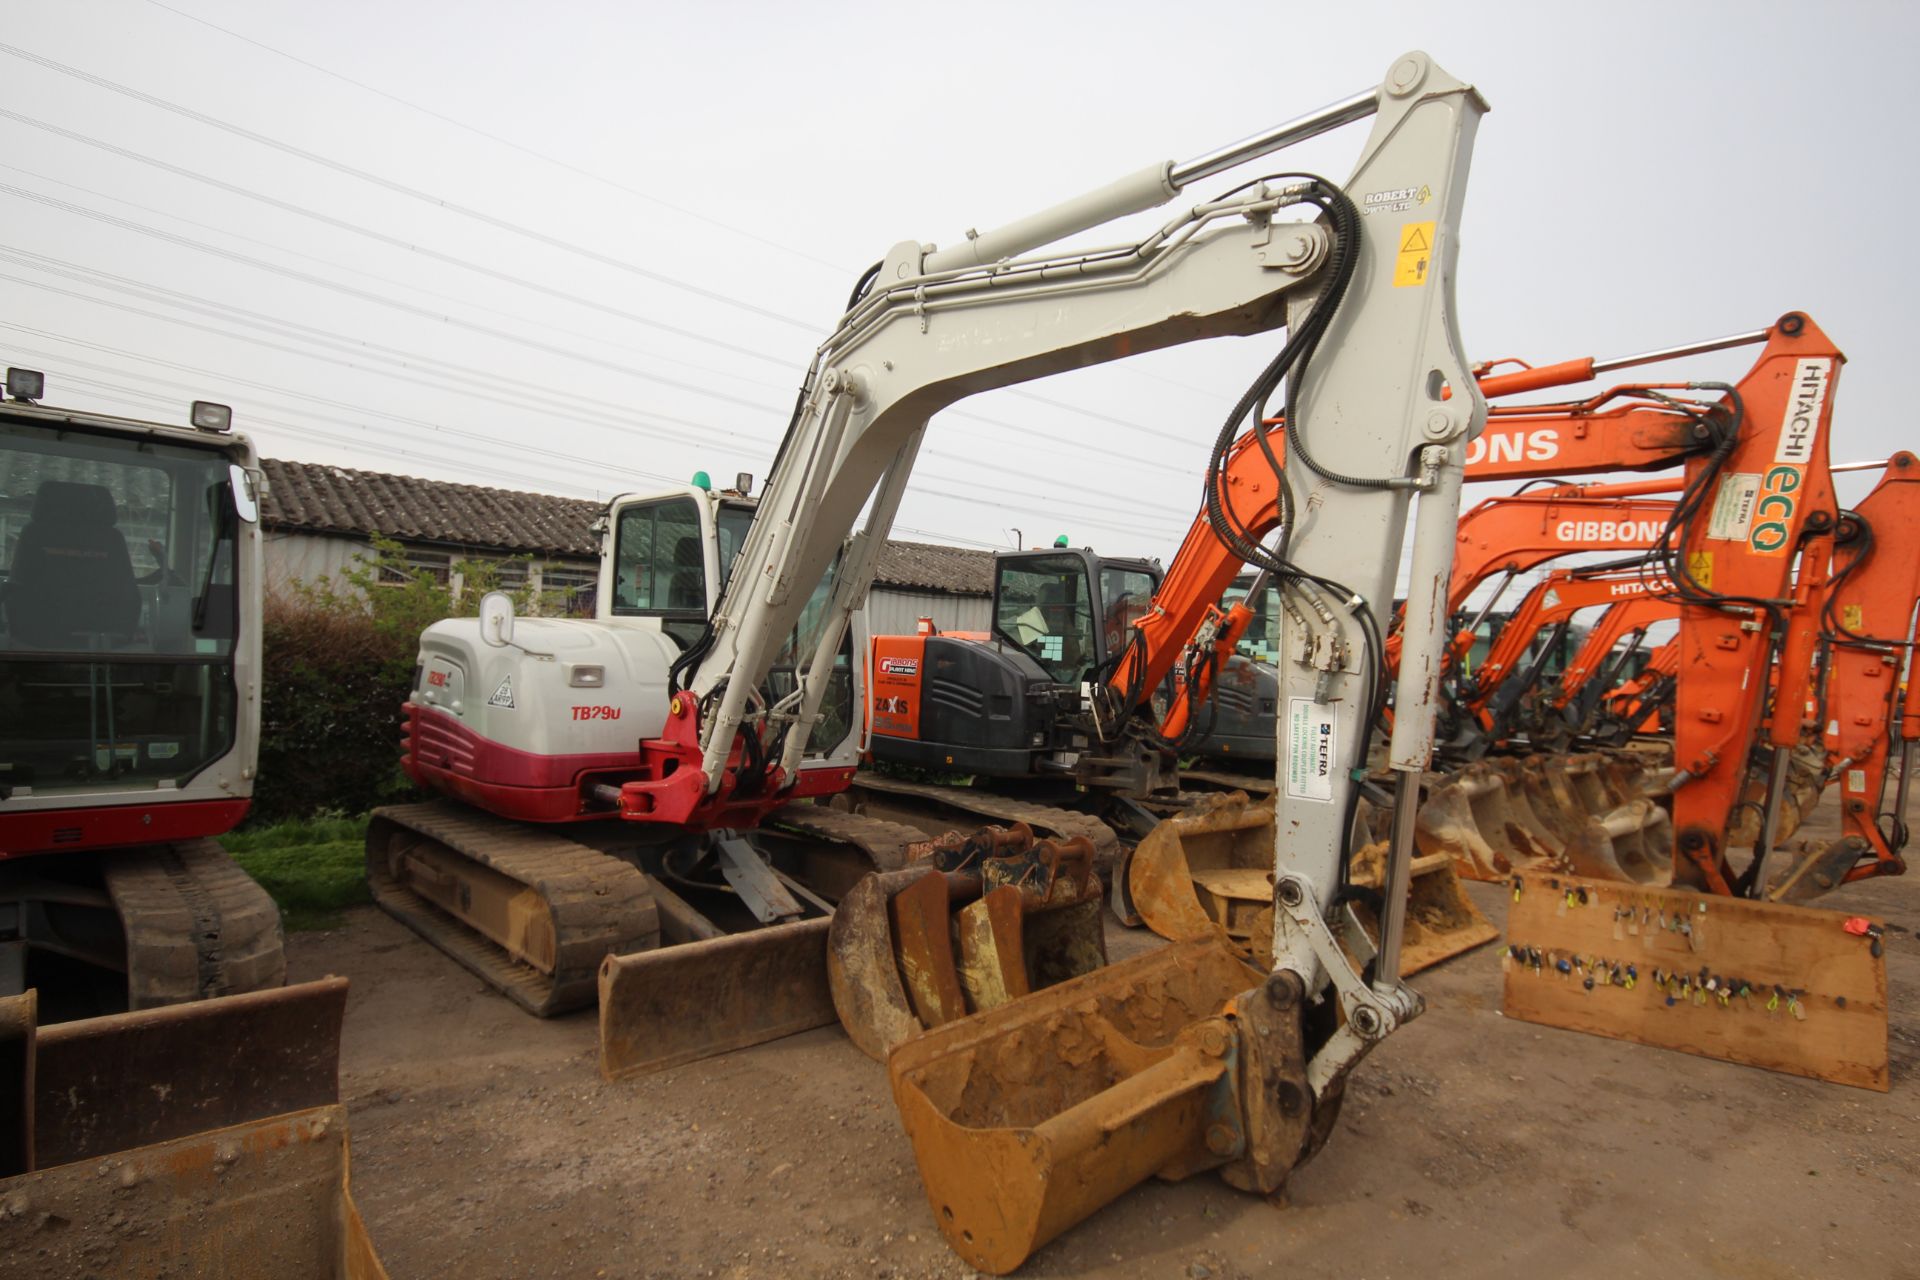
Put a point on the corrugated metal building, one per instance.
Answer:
(319, 519)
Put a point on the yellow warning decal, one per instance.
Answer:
(1853, 617)
(1700, 568)
(1415, 261)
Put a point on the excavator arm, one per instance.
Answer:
(1865, 616)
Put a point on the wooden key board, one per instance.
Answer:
(1787, 988)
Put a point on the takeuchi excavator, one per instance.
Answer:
(130, 607)
(714, 748)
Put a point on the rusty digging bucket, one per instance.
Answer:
(1027, 1118)
(1582, 814)
(202, 1140)
(1211, 870)
(980, 921)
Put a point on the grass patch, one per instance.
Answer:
(314, 868)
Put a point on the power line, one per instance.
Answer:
(576, 169)
(307, 333)
(1072, 509)
(399, 188)
(488, 219)
(188, 242)
(485, 378)
(340, 266)
(602, 179)
(354, 228)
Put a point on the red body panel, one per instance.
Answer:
(660, 781)
(442, 754)
(75, 830)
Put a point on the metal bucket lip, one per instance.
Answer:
(911, 1057)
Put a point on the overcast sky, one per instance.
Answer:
(584, 248)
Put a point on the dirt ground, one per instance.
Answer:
(485, 1144)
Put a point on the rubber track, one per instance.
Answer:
(884, 843)
(196, 925)
(601, 905)
(1046, 820)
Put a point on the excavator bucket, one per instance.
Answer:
(204, 1139)
(1027, 1118)
(1584, 814)
(1209, 871)
(983, 920)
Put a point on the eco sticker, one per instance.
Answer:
(1312, 739)
(503, 696)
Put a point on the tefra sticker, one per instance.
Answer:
(1733, 504)
(1312, 747)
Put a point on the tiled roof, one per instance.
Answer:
(315, 497)
(927, 567)
(318, 498)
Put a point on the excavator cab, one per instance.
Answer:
(1070, 610)
(129, 643)
(1005, 703)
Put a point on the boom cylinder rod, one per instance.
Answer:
(1357, 107)
(1686, 349)
(1149, 188)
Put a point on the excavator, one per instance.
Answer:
(717, 755)
(147, 1038)
(130, 606)
(1488, 704)
(1868, 701)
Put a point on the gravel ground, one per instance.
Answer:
(485, 1144)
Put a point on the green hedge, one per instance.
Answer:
(338, 666)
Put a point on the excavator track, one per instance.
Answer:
(529, 912)
(884, 843)
(196, 925)
(1045, 820)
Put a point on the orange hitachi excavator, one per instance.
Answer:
(1755, 498)
(1487, 704)
(1597, 670)
(1869, 700)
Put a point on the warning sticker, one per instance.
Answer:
(1311, 749)
(1414, 263)
(1733, 505)
(503, 696)
(1854, 617)
(1700, 568)
(1857, 780)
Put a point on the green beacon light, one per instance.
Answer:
(702, 481)
(1061, 541)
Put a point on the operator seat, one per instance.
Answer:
(71, 577)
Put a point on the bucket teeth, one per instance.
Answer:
(984, 919)
(1209, 873)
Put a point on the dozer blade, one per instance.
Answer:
(1028, 1118)
(925, 946)
(202, 1140)
(668, 1007)
(1208, 872)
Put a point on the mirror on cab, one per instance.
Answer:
(496, 619)
(240, 480)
